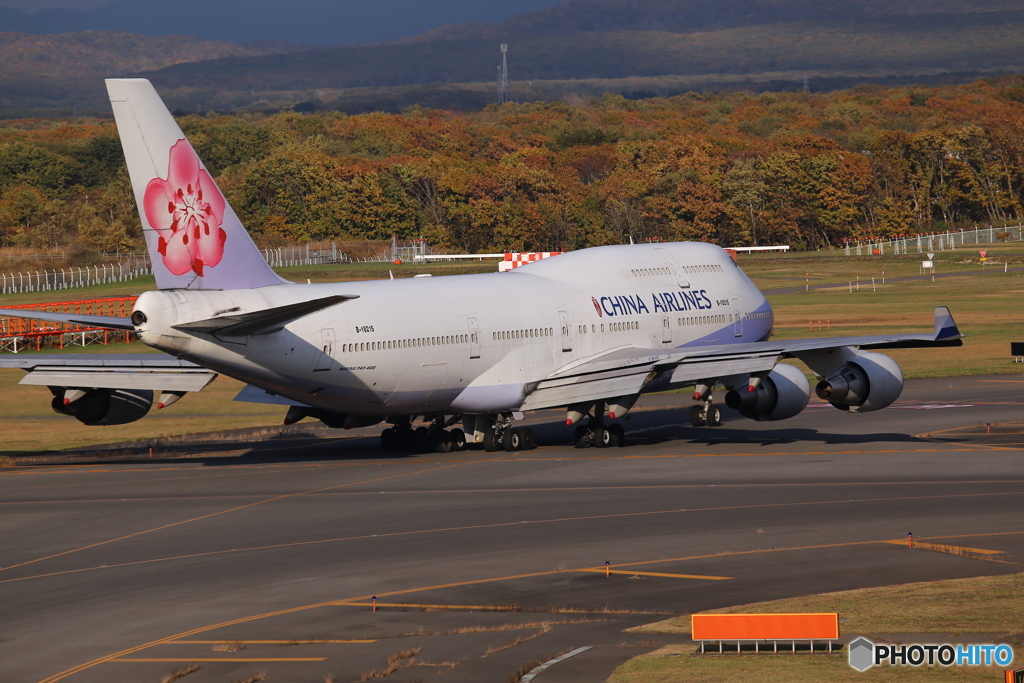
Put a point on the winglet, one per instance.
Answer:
(945, 326)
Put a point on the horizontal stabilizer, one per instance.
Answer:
(108, 322)
(261, 322)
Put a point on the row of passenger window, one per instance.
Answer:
(526, 334)
(706, 268)
(709, 268)
(523, 334)
(446, 340)
(639, 272)
(612, 327)
(703, 320)
(757, 315)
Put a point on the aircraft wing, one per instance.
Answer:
(155, 371)
(628, 370)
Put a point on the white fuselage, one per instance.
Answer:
(469, 343)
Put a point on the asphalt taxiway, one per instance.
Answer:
(265, 557)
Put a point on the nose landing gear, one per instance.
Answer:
(706, 415)
(600, 435)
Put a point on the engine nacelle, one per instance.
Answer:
(104, 406)
(869, 381)
(780, 396)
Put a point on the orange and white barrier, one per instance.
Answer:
(514, 260)
(765, 627)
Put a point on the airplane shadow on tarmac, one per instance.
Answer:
(315, 444)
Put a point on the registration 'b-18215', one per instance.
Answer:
(589, 331)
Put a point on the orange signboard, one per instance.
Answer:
(823, 626)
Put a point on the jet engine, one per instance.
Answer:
(867, 382)
(781, 395)
(104, 406)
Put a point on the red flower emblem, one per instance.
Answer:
(187, 211)
(597, 307)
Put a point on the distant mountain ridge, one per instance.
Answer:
(109, 53)
(686, 16)
(639, 48)
(306, 22)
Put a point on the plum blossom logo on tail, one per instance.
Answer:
(187, 211)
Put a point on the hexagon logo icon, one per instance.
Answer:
(861, 654)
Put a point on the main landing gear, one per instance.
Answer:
(498, 434)
(501, 435)
(433, 438)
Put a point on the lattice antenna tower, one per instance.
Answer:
(503, 76)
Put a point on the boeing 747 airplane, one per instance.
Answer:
(589, 331)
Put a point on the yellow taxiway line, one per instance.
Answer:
(601, 570)
(224, 659)
(294, 641)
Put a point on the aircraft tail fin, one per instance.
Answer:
(195, 240)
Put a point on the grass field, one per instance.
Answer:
(677, 664)
(794, 269)
(990, 604)
(986, 304)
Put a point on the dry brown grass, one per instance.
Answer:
(567, 609)
(954, 550)
(179, 673)
(524, 668)
(496, 627)
(518, 641)
(399, 660)
(258, 676)
(232, 646)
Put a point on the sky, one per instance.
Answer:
(310, 22)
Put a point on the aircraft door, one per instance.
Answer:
(325, 359)
(737, 318)
(566, 322)
(681, 278)
(474, 337)
(666, 328)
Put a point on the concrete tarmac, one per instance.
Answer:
(264, 557)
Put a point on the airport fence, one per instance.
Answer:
(930, 243)
(283, 257)
(69, 278)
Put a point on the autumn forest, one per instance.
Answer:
(805, 169)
